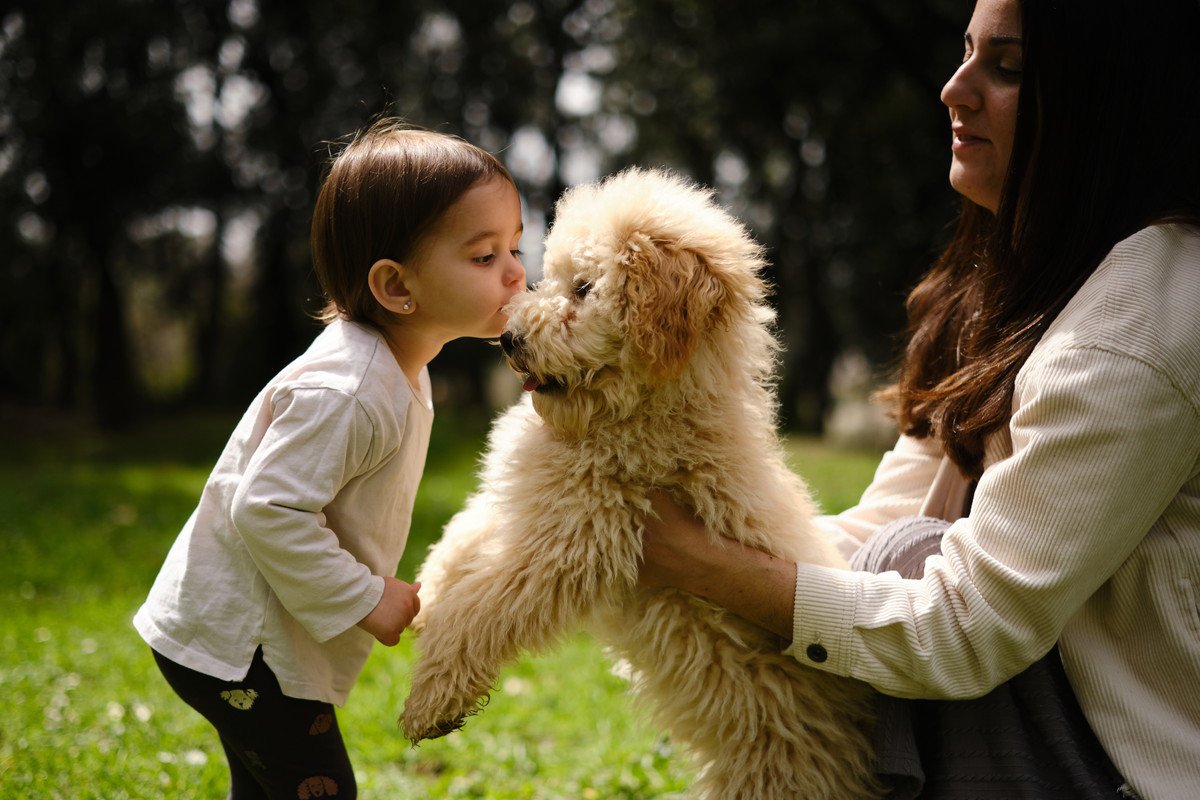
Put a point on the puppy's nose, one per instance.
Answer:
(509, 343)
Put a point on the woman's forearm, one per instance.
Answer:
(756, 586)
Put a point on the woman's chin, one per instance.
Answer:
(965, 184)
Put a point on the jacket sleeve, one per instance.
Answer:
(898, 489)
(317, 441)
(1102, 443)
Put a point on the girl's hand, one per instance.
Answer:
(394, 611)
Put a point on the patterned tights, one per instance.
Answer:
(278, 747)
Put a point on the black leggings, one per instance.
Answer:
(278, 747)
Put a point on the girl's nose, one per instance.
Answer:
(516, 271)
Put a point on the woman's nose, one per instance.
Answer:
(960, 89)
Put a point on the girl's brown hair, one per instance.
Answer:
(383, 192)
(1095, 159)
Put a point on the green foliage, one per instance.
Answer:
(87, 522)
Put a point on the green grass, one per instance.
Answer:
(85, 524)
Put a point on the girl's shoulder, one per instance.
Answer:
(353, 360)
(349, 372)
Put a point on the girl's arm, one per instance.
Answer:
(394, 612)
(318, 440)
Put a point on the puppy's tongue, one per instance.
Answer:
(530, 384)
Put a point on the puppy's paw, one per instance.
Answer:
(416, 735)
(421, 721)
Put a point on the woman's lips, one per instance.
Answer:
(961, 140)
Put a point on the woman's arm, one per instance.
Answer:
(760, 587)
(1049, 525)
(898, 489)
(680, 553)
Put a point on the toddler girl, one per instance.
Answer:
(264, 612)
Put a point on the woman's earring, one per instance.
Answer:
(407, 305)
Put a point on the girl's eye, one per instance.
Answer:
(581, 289)
(490, 257)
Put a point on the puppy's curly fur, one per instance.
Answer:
(649, 353)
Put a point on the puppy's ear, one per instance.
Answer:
(674, 299)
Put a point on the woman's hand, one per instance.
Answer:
(674, 547)
(680, 554)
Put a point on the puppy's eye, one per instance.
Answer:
(581, 289)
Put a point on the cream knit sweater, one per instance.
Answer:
(1085, 530)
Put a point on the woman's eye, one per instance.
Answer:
(1009, 73)
(489, 258)
(581, 289)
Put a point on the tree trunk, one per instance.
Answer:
(116, 394)
(210, 377)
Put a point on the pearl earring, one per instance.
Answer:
(407, 305)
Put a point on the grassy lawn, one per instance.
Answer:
(86, 523)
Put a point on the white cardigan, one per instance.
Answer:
(306, 510)
(1084, 529)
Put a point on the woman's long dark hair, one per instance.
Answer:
(1107, 142)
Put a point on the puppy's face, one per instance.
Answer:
(629, 294)
(567, 335)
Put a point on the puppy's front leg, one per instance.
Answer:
(534, 590)
(466, 545)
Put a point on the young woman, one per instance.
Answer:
(275, 591)
(1049, 401)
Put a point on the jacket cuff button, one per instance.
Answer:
(817, 653)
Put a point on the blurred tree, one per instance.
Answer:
(820, 125)
(159, 161)
(92, 137)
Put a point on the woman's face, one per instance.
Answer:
(982, 98)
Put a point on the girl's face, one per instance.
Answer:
(467, 267)
(982, 98)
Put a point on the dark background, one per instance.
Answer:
(159, 159)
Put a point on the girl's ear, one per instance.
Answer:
(387, 282)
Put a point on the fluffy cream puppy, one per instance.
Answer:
(648, 353)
